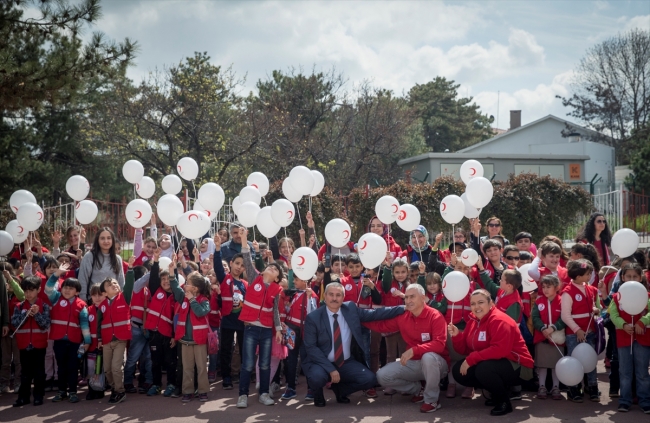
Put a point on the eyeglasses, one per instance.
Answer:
(494, 225)
(601, 221)
(512, 258)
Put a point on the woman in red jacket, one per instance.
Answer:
(497, 357)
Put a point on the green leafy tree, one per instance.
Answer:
(639, 180)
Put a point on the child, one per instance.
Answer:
(580, 303)
(492, 251)
(287, 247)
(224, 235)
(214, 319)
(633, 342)
(414, 272)
(138, 349)
(148, 248)
(525, 258)
(32, 320)
(354, 285)
(547, 262)
(547, 318)
(69, 327)
(511, 256)
(524, 242)
(207, 248)
(166, 246)
(192, 332)
(564, 257)
(433, 287)
(10, 350)
(93, 352)
(506, 295)
(113, 334)
(587, 251)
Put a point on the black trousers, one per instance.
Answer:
(495, 376)
(292, 360)
(33, 370)
(354, 377)
(162, 356)
(67, 362)
(227, 339)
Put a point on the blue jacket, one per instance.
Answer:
(228, 250)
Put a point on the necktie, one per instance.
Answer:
(338, 344)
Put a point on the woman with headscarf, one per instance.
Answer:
(419, 249)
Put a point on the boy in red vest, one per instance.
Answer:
(68, 329)
(32, 320)
(547, 262)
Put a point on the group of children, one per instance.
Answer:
(167, 318)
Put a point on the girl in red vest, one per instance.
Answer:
(32, 318)
(580, 305)
(633, 342)
(393, 283)
(433, 288)
(547, 318)
(68, 329)
(548, 263)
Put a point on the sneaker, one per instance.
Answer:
(613, 393)
(288, 394)
(154, 390)
(227, 383)
(38, 401)
(203, 397)
(212, 377)
(556, 394)
(4, 389)
(542, 393)
(515, 394)
(468, 393)
(242, 401)
(371, 393)
(265, 399)
(646, 410)
(418, 398)
(117, 397)
(169, 391)
(187, 397)
(623, 408)
(60, 396)
(310, 395)
(73, 398)
(144, 388)
(451, 390)
(389, 391)
(429, 408)
(275, 387)
(177, 392)
(575, 395)
(130, 389)
(594, 393)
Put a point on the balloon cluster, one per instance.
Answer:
(478, 193)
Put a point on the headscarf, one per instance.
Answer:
(385, 227)
(169, 252)
(424, 232)
(211, 249)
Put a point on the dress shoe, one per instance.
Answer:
(501, 409)
(339, 398)
(20, 402)
(319, 398)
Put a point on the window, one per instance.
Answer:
(450, 169)
(527, 168)
(554, 171)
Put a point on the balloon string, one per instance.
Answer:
(310, 204)
(265, 203)
(558, 348)
(285, 232)
(254, 234)
(417, 241)
(299, 218)
(632, 335)
(194, 188)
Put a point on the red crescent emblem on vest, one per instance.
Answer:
(365, 244)
(347, 233)
(190, 216)
(21, 229)
(290, 214)
(302, 260)
(473, 171)
(396, 208)
(138, 214)
(402, 215)
(444, 207)
(40, 215)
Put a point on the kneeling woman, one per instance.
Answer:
(497, 357)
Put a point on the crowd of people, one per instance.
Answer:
(233, 310)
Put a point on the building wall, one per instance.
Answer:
(546, 132)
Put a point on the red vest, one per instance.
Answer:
(503, 302)
(65, 319)
(200, 326)
(298, 309)
(41, 294)
(387, 298)
(583, 305)
(562, 275)
(30, 332)
(525, 303)
(160, 313)
(137, 304)
(141, 259)
(258, 304)
(116, 319)
(461, 309)
(353, 292)
(543, 306)
(623, 339)
(227, 292)
(92, 322)
(214, 318)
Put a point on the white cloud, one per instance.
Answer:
(640, 22)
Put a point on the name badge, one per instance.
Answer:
(425, 337)
(482, 336)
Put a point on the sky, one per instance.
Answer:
(519, 54)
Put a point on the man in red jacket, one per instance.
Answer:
(424, 330)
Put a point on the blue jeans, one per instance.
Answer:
(138, 349)
(637, 360)
(214, 358)
(572, 342)
(255, 336)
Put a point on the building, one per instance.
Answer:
(538, 147)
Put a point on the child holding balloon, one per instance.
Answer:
(547, 262)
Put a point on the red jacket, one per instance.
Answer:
(424, 333)
(298, 309)
(494, 337)
(30, 332)
(582, 309)
(65, 320)
(503, 302)
(258, 304)
(160, 313)
(116, 319)
(227, 292)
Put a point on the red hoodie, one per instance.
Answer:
(494, 337)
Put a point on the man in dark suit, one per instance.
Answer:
(333, 346)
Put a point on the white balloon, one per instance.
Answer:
(471, 212)
(470, 169)
(172, 184)
(211, 196)
(319, 183)
(30, 216)
(146, 187)
(372, 250)
(452, 209)
(634, 297)
(187, 168)
(198, 206)
(193, 224)
(17, 232)
(586, 355)
(250, 194)
(236, 203)
(77, 187)
(625, 242)
(283, 212)
(6, 243)
(247, 214)
(164, 262)
(138, 213)
(304, 262)
(19, 198)
(479, 192)
(528, 284)
(133, 171)
(337, 233)
(302, 180)
(455, 286)
(408, 217)
(569, 370)
(259, 181)
(169, 209)
(265, 223)
(469, 257)
(86, 212)
(387, 209)
(290, 192)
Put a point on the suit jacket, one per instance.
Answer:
(317, 339)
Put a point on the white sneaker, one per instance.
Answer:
(266, 399)
(273, 389)
(242, 402)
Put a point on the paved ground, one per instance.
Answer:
(221, 408)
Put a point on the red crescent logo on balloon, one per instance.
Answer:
(465, 257)
(402, 215)
(40, 215)
(207, 212)
(137, 187)
(396, 208)
(444, 207)
(77, 206)
(444, 284)
(15, 209)
(21, 229)
(138, 214)
(365, 244)
(253, 185)
(302, 260)
(290, 214)
(190, 216)
(347, 233)
(180, 169)
(473, 171)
